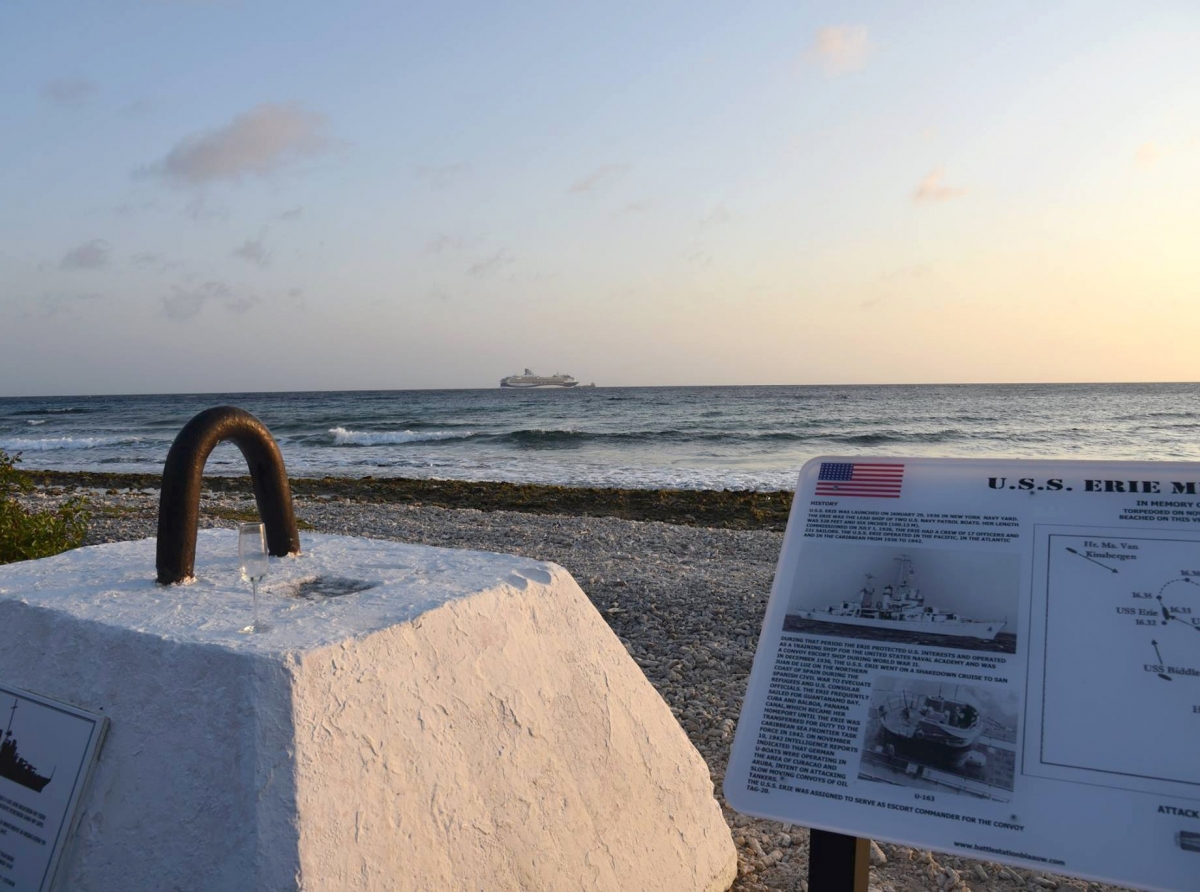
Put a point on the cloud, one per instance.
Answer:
(635, 207)
(889, 285)
(718, 216)
(89, 255)
(601, 176)
(491, 264)
(53, 304)
(186, 301)
(254, 251)
(932, 189)
(292, 214)
(1149, 154)
(140, 107)
(444, 175)
(150, 260)
(259, 142)
(199, 209)
(917, 271)
(132, 208)
(239, 305)
(442, 243)
(69, 92)
(840, 49)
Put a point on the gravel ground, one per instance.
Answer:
(686, 601)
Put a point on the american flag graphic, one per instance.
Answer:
(870, 479)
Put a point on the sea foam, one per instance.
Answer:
(343, 437)
(23, 444)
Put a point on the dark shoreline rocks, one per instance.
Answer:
(718, 509)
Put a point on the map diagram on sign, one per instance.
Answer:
(1122, 655)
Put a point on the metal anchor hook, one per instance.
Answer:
(179, 503)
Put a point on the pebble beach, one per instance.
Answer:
(686, 600)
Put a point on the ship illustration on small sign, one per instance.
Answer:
(13, 766)
(902, 608)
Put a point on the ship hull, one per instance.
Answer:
(984, 631)
(931, 734)
(926, 751)
(930, 730)
(554, 386)
(24, 775)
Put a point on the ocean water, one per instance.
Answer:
(656, 437)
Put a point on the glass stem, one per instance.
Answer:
(254, 588)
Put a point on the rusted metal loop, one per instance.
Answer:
(179, 504)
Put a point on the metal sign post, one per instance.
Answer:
(838, 863)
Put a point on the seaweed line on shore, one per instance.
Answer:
(720, 509)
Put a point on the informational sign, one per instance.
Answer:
(998, 659)
(47, 751)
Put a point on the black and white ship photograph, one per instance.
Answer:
(961, 599)
(941, 737)
(40, 746)
(14, 766)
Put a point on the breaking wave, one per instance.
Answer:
(343, 437)
(53, 410)
(551, 438)
(22, 444)
(876, 439)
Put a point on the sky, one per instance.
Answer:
(246, 196)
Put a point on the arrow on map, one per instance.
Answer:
(1167, 614)
(1161, 675)
(1093, 560)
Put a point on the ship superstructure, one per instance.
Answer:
(531, 379)
(952, 722)
(902, 607)
(13, 766)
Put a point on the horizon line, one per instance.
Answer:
(590, 389)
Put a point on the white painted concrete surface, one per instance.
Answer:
(468, 722)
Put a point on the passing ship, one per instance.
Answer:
(951, 722)
(902, 608)
(530, 379)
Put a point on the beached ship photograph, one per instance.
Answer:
(937, 597)
(941, 736)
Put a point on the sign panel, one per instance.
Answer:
(998, 659)
(47, 752)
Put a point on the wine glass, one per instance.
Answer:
(252, 561)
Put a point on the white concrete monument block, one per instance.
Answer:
(466, 722)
